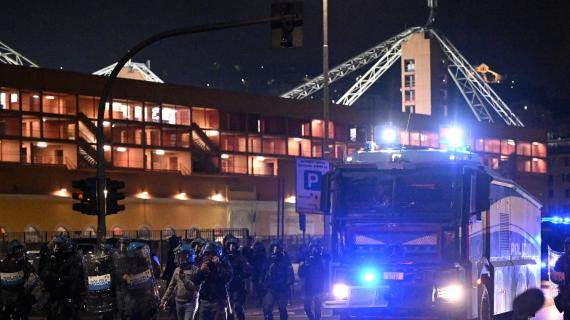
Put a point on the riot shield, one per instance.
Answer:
(100, 280)
(137, 293)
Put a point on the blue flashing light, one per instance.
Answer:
(567, 220)
(369, 276)
(543, 265)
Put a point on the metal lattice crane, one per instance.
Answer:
(11, 56)
(477, 93)
(306, 89)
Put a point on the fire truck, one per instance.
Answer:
(428, 233)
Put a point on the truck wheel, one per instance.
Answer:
(485, 305)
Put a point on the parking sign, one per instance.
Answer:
(308, 186)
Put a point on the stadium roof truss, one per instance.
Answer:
(481, 98)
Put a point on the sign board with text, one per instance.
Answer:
(309, 177)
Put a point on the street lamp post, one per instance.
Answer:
(326, 107)
(101, 214)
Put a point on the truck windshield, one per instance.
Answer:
(405, 194)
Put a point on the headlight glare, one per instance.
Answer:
(340, 291)
(452, 293)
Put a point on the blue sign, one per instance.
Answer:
(308, 186)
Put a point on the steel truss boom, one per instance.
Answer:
(391, 55)
(475, 90)
(11, 56)
(347, 67)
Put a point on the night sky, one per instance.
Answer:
(528, 41)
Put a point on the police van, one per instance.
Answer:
(428, 233)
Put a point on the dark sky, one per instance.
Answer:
(526, 40)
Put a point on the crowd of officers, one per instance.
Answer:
(206, 280)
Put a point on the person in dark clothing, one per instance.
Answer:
(312, 272)
(561, 276)
(63, 279)
(14, 272)
(212, 278)
(173, 242)
(278, 281)
(259, 264)
(241, 272)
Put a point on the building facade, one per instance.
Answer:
(192, 157)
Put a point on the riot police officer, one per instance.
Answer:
(63, 279)
(14, 272)
(242, 271)
(312, 271)
(561, 275)
(212, 277)
(259, 264)
(138, 283)
(181, 285)
(278, 281)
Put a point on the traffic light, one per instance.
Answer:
(87, 196)
(287, 34)
(113, 196)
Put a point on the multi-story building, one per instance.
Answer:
(192, 157)
(558, 198)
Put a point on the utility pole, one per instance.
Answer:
(326, 106)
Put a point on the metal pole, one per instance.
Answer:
(101, 226)
(326, 99)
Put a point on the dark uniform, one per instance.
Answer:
(214, 274)
(139, 293)
(259, 264)
(278, 281)
(312, 271)
(63, 279)
(14, 272)
(241, 272)
(562, 278)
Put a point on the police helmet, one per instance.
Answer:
(231, 243)
(133, 247)
(58, 244)
(198, 242)
(275, 249)
(69, 246)
(185, 248)
(211, 248)
(15, 247)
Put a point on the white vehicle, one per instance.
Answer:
(428, 233)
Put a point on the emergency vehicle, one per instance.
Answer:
(428, 233)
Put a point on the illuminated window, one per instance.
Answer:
(9, 99)
(538, 149)
(524, 149)
(59, 128)
(151, 112)
(524, 165)
(317, 128)
(58, 103)
(492, 146)
(127, 133)
(317, 150)
(31, 101)
(409, 95)
(31, 126)
(89, 232)
(176, 137)
(234, 164)
(538, 165)
(298, 147)
(206, 118)
(255, 144)
(508, 147)
(409, 80)
(62, 231)
(174, 114)
(168, 231)
(274, 145)
(128, 157)
(9, 150)
(410, 65)
(9, 124)
(262, 166)
(233, 142)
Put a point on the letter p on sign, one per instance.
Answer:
(312, 180)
